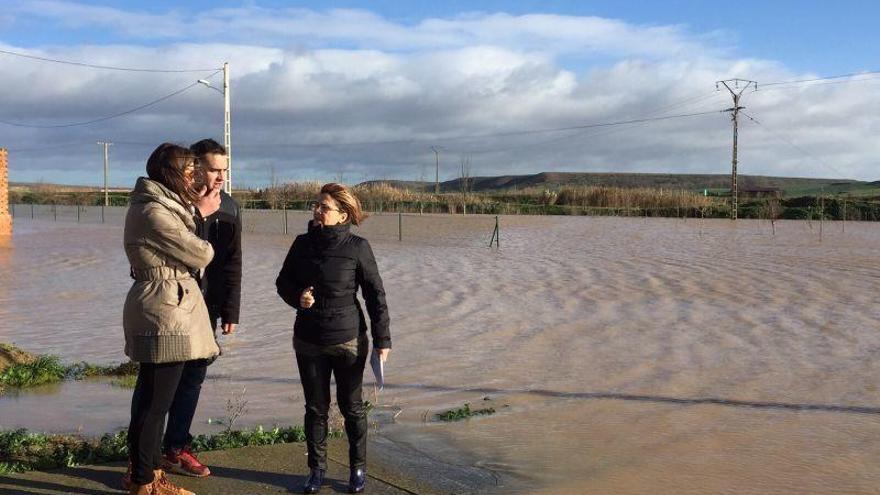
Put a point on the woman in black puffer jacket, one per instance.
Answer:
(320, 279)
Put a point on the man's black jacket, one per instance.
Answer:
(221, 282)
(336, 263)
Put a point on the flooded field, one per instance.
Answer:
(622, 355)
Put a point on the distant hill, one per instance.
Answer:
(695, 182)
(31, 186)
(791, 186)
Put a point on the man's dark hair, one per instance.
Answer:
(167, 165)
(206, 146)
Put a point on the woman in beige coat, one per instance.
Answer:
(165, 318)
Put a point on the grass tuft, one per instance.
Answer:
(464, 412)
(22, 450)
(44, 369)
(21, 369)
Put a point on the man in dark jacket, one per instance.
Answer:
(221, 285)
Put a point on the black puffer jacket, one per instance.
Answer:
(335, 262)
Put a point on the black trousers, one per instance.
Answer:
(153, 394)
(314, 373)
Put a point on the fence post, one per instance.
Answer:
(102, 213)
(285, 221)
(496, 235)
(55, 212)
(399, 226)
(32, 211)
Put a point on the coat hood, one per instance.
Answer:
(147, 190)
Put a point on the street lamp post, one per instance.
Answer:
(227, 123)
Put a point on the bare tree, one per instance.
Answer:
(273, 192)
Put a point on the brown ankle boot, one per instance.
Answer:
(163, 486)
(140, 489)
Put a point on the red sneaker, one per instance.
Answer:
(184, 462)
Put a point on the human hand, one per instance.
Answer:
(228, 328)
(307, 298)
(209, 201)
(383, 354)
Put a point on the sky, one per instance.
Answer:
(364, 90)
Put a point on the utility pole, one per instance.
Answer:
(437, 163)
(227, 123)
(106, 145)
(227, 127)
(739, 86)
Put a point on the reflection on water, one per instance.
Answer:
(622, 355)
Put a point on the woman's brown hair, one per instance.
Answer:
(346, 200)
(167, 165)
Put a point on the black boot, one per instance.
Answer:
(316, 479)
(357, 480)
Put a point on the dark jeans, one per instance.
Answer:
(183, 407)
(153, 393)
(314, 373)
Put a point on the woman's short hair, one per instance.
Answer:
(346, 200)
(167, 166)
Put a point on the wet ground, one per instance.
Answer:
(622, 355)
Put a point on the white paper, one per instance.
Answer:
(378, 369)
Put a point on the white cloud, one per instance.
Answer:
(344, 78)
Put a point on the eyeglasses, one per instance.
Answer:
(321, 207)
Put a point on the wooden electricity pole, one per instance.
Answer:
(739, 86)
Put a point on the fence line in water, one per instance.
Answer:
(459, 229)
(385, 225)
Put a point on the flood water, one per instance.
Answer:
(622, 355)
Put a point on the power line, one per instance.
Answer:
(102, 119)
(798, 148)
(103, 67)
(680, 103)
(476, 136)
(828, 78)
(52, 147)
(412, 141)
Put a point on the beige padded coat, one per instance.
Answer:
(165, 318)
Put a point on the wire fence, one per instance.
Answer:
(458, 230)
(445, 229)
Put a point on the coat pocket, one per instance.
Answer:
(189, 295)
(182, 294)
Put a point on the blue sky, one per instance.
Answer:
(807, 35)
(311, 80)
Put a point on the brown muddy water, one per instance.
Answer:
(622, 355)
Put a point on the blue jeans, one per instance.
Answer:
(183, 407)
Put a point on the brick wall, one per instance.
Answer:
(5, 217)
